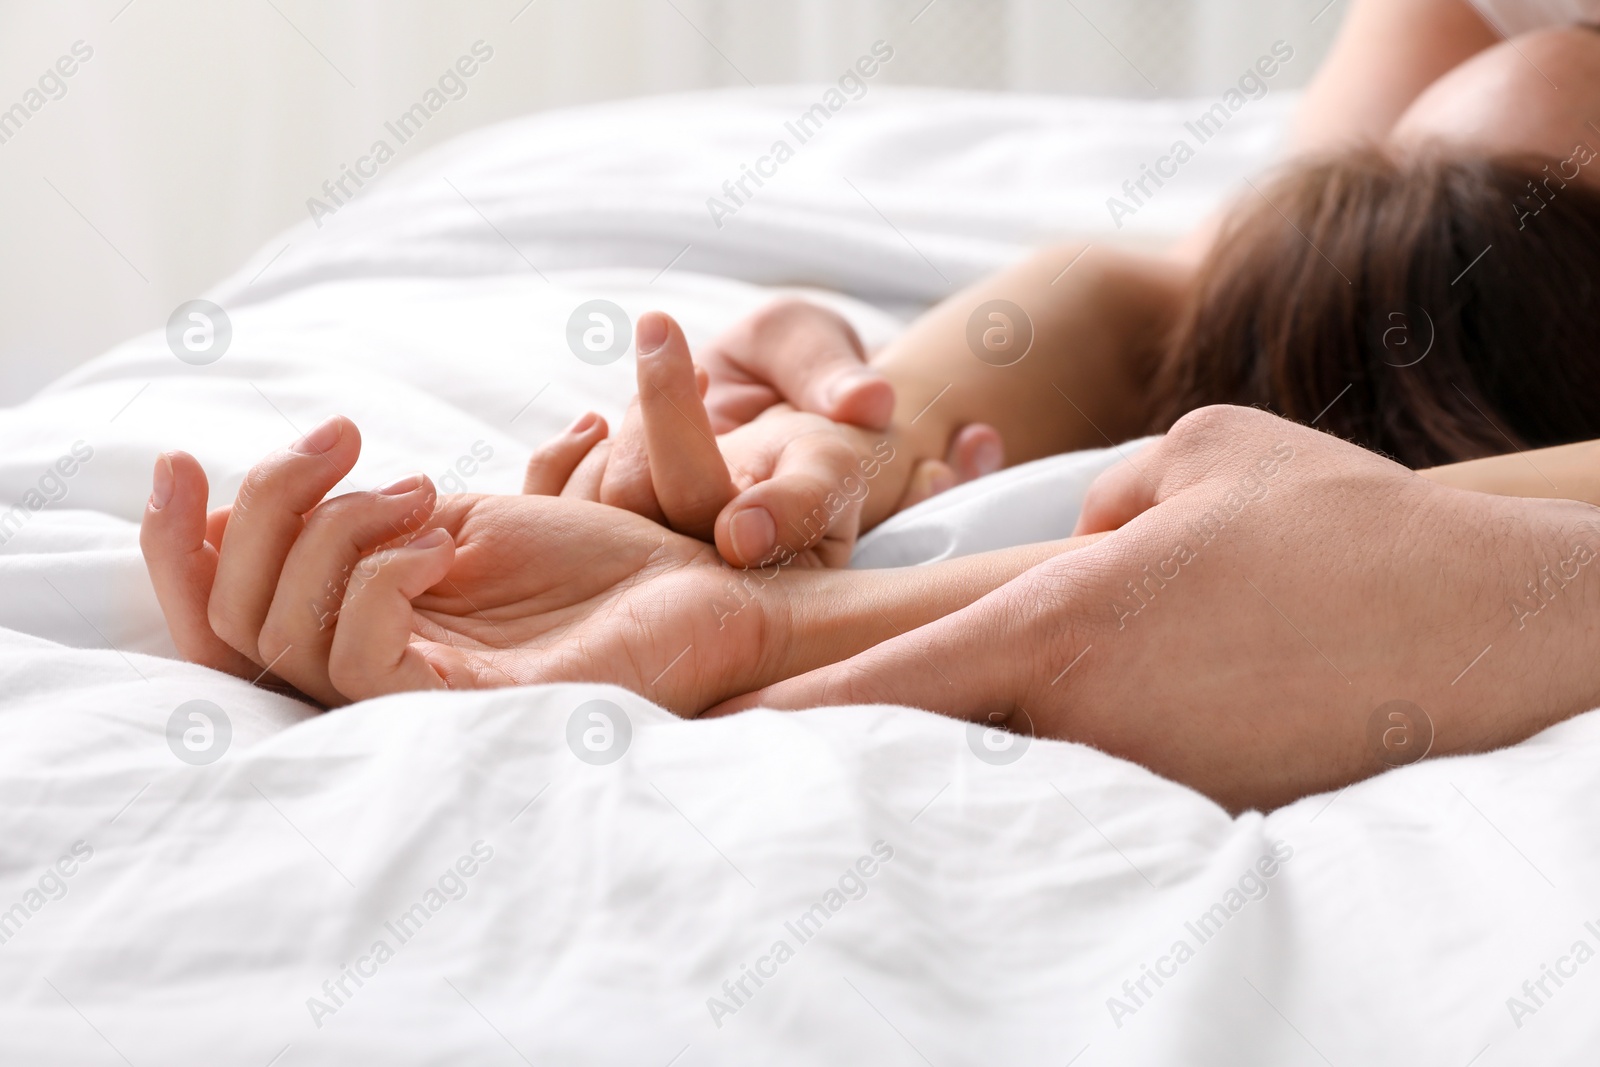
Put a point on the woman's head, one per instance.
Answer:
(1429, 307)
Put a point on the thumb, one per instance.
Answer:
(1119, 495)
(1219, 441)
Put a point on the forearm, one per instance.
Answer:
(1098, 317)
(824, 616)
(1565, 472)
(1386, 54)
(831, 615)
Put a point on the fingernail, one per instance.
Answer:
(941, 480)
(321, 439)
(987, 457)
(401, 486)
(753, 534)
(652, 332)
(432, 539)
(584, 422)
(161, 483)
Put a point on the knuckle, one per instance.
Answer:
(1200, 423)
(364, 573)
(273, 484)
(349, 675)
(340, 510)
(257, 488)
(1206, 424)
(790, 313)
(229, 626)
(548, 456)
(812, 515)
(835, 455)
(274, 643)
(781, 312)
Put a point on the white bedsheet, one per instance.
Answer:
(607, 905)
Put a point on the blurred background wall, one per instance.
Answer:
(198, 128)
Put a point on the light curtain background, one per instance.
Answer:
(199, 129)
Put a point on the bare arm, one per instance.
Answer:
(1172, 650)
(825, 616)
(1387, 53)
(1565, 472)
(1097, 326)
(1097, 316)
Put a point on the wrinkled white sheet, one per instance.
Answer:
(607, 905)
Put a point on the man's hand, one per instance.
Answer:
(1269, 590)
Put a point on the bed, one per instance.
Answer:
(445, 878)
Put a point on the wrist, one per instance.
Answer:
(812, 616)
(884, 468)
(888, 458)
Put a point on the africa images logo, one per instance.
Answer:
(1252, 85)
(451, 85)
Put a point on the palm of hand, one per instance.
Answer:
(545, 589)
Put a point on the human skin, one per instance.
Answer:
(793, 355)
(1387, 53)
(1248, 665)
(1405, 74)
(745, 490)
(1098, 317)
(1563, 472)
(1536, 95)
(397, 589)
(480, 520)
(258, 588)
(1252, 671)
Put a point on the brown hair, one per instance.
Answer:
(1431, 308)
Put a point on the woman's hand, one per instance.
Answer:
(397, 589)
(778, 478)
(787, 482)
(809, 357)
(502, 591)
(797, 353)
(394, 589)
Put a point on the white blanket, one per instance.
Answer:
(440, 879)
